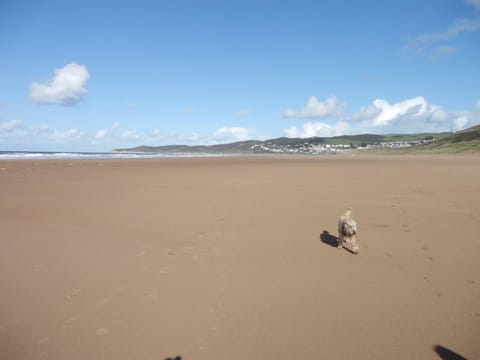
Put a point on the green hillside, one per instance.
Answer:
(466, 140)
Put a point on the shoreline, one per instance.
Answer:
(56, 155)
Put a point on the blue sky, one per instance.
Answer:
(97, 75)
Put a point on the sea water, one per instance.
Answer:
(42, 155)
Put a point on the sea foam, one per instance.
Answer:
(33, 155)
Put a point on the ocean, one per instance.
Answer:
(42, 155)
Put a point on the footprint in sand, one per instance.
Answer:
(102, 331)
(70, 321)
(406, 227)
(152, 296)
(142, 253)
(45, 339)
(384, 226)
(472, 216)
(110, 295)
(105, 300)
(72, 295)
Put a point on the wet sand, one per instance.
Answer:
(232, 258)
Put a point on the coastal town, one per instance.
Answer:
(315, 149)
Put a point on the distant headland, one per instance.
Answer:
(467, 140)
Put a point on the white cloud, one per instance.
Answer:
(461, 122)
(458, 27)
(411, 115)
(130, 135)
(407, 116)
(10, 126)
(365, 113)
(101, 134)
(243, 113)
(312, 129)
(157, 137)
(433, 47)
(155, 133)
(474, 3)
(316, 109)
(67, 135)
(389, 112)
(105, 135)
(441, 52)
(67, 86)
(232, 134)
(18, 131)
(475, 116)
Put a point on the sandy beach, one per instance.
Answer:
(232, 258)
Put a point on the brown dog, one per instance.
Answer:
(347, 231)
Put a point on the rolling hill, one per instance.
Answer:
(465, 140)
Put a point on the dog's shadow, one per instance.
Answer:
(332, 240)
(328, 238)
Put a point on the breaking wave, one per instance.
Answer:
(39, 155)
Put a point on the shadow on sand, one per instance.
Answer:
(175, 358)
(332, 240)
(328, 238)
(446, 354)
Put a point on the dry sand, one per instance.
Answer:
(228, 258)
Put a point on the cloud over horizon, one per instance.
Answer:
(17, 131)
(66, 87)
(316, 109)
(407, 116)
(232, 134)
(413, 115)
(313, 129)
